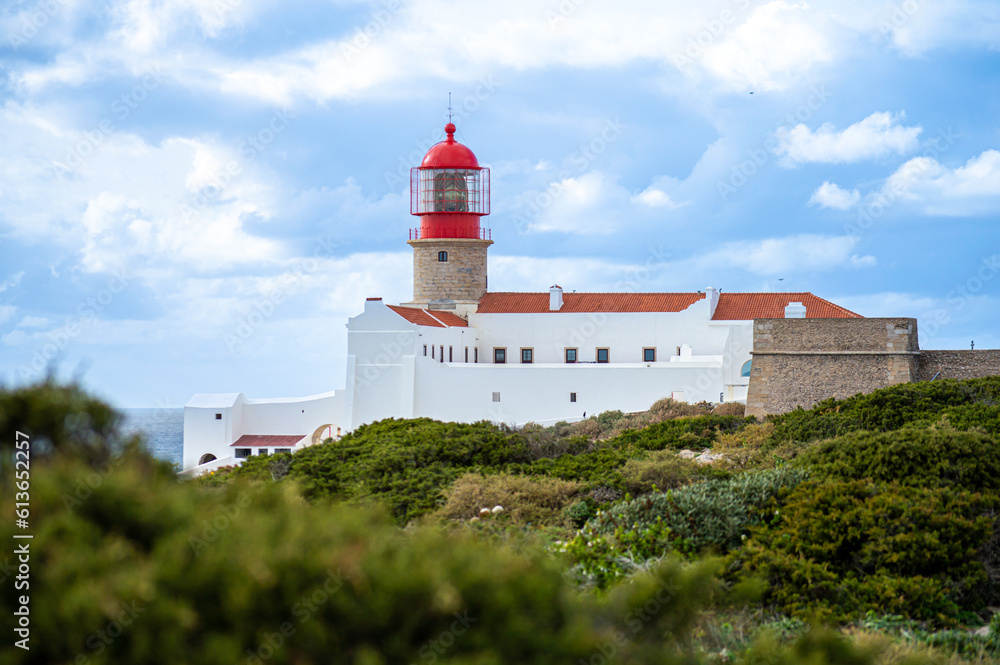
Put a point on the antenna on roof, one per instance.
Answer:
(449, 107)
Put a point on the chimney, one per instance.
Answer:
(372, 303)
(555, 298)
(795, 310)
(712, 296)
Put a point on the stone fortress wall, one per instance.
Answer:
(799, 362)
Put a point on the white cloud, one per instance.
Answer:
(33, 322)
(966, 190)
(830, 195)
(802, 253)
(582, 204)
(14, 338)
(654, 198)
(776, 44)
(877, 135)
(7, 312)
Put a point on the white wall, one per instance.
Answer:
(625, 334)
(541, 392)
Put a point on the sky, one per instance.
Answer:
(195, 195)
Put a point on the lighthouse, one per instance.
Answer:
(450, 193)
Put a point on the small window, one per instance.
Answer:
(572, 397)
(282, 450)
(496, 397)
(649, 355)
(262, 451)
(571, 355)
(441, 357)
(678, 350)
(475, 354)
(602, 355)
(745, 371)
(433, 357)
(527, 355)
(499, 356)
(450, 354)
(425, 349)
(242, 453)
(443, 257)
(466, 354)
(218, 416)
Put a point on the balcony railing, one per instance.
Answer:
(484, 234)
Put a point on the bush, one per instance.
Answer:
(662, 470)
(845, 548)
(921, 457)
(744, 448)
(679, 433)
(538, 501)
(730, 409)
(708, 515)
(972, 402)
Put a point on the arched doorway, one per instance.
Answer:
(324, 432)
(206, 458)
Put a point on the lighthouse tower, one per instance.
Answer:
(449, 192)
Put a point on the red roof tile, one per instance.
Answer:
(748, 306)
(267, 440)
(731, 307)
(425, 317)
(537, 303)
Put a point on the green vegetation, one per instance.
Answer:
(876, 515)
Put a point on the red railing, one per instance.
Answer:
(484, 234)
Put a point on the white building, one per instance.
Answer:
(460, 353)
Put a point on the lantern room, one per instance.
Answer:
(449, 191)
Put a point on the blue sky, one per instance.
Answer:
(196, 194)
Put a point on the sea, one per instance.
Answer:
(163, 430)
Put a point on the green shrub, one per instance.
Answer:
(842, 549)
(662, 470)
(707, 515)
(670, 434)
(921, 457)
(538, 501)
(973, 402)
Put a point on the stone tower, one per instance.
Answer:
(450, 192)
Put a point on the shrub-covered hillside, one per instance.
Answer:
(130, 566)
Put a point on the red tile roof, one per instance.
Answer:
(267, 440)
(731, 307)
(747, 306)
(426, 317)
(537, 303)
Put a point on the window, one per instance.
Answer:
(571, 355)
(450, 354)
(527, 355)
(466, 354)
(218, 416)
(745, 371)
(282, 450)
(443, 257)
(475, 353)
(649, 355)
(499, 356)
(572, 397)
(496, 397)
(425, 349)
(262, 451)
(678, 350)
(433, 357)
(442, 353)
(242, 453)
(602, 355)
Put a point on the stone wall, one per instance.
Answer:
(799, 362)
(461, 278)
(959, 364)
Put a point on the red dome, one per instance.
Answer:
(449, 154)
